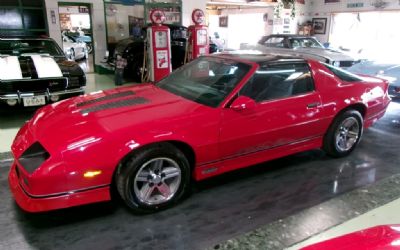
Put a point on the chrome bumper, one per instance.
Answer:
(19, 95)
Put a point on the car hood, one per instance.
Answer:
(102, 113)
(332, 55)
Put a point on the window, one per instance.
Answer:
(26, 46)
(274, 42)
(207, 81)
(305, 43)
(343, 75)
(22, 18)
(279, 81)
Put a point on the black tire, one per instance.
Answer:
(331, 145)
(72, 55)
(128, 171)
(89, 47)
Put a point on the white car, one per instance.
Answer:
(304, 46)
(74, 50)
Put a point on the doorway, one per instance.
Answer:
(76, 33)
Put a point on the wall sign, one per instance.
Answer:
(83, 9)
(53, 16)
(355, 5)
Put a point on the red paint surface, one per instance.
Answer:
(379, 237)
(221, 138)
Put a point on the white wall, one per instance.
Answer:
(318, 8)
(244, 26)
(98, 25)
(187, 8)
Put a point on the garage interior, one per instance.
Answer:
(288, 203)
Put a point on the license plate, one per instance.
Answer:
(34, 101)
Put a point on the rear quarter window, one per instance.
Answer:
(343, 74)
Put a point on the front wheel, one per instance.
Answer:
(344, 134)
(154, 178)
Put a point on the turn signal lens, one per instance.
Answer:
(91, 174)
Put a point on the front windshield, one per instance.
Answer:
(305, 43)
(207, 80)
(26, 46)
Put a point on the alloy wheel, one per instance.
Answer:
(347, 134)
(157, 181)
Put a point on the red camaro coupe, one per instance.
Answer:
(213, 115)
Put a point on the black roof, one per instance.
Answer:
(260, 58)
(289, 36)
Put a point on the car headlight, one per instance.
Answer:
(33, 157)
(336, 63)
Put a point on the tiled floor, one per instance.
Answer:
(10, 122)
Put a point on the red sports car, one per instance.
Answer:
(379, 237)
(213, 115)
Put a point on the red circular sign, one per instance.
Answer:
(157, 16)
(198, 16)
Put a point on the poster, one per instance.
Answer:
(162, 59)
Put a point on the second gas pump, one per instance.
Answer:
(198, 43)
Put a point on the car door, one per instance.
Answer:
(288, 110)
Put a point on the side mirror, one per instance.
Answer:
(243, 103)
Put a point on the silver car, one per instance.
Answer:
(304, 46)
(74, 50)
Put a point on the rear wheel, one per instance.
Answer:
(344, 134)
(89, 47)
(153, 178)
(72, 55)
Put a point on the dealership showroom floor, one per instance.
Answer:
(287, 203)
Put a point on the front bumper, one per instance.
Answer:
(20, 95)
(31, 203)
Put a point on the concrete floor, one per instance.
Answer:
(274, 205)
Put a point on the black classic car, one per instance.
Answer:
(35, 71)
(132, 49)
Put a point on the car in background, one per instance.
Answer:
(35, 71)
(86, 39)
(74, 49)
(81, 36)
(215, 114)
(132, 49)
(305, 46)
(388, 71)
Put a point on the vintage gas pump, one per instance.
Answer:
(158, 47)
(198, 36)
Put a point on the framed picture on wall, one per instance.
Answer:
(319, 25)
(223, 21)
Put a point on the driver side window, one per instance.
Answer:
(279, 81)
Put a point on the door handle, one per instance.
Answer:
(313, 105)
